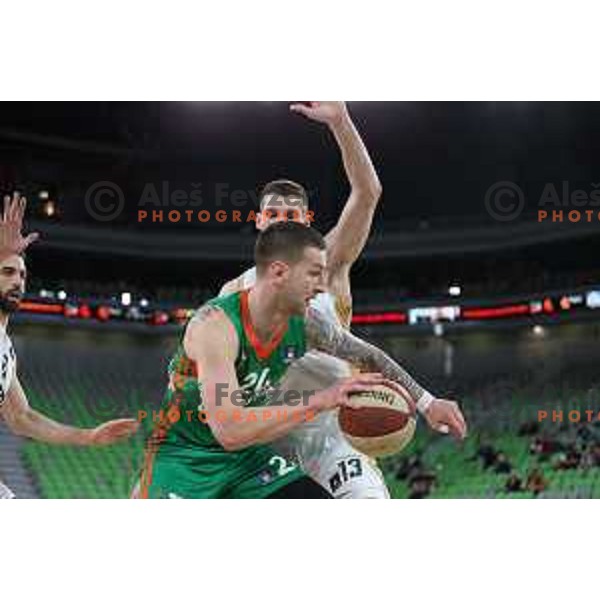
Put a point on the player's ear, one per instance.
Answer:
(279, 270)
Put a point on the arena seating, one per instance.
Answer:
(85, 378)
(508, 445)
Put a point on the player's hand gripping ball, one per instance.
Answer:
(379, 422)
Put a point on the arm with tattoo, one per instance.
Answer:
(325, 335)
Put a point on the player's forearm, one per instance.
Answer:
(357, 162)
(329, 337)
(372, 359)
(33, 424)
(237, 428)
(276, 424)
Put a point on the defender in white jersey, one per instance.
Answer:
(320, 447)
(14, 407)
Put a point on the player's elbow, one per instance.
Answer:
(231, 443)
(18, 422)
(376, 189)
(371, 191)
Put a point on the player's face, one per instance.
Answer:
(12, 283)
(277, 209)
(306, 279)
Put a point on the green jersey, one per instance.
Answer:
(184, 459)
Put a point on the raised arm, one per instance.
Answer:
(24, 420)
(211, 341)
(329, 337)
(347, 239)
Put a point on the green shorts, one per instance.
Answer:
(255, 472)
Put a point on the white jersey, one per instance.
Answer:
(8, 362)
(7, 372)
(319, 446)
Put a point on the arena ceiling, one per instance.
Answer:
(436, 160)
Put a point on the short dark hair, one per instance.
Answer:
(285, 241)
(284, 188)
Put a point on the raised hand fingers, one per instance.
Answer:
(14, 208)
(6, 208)
(302, 109)
(20, 209)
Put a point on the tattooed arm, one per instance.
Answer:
(327, 336)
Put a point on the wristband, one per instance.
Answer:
(424, 402)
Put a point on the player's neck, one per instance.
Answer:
(266, 314)
(3, 321)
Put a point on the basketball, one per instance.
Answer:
(379, 422)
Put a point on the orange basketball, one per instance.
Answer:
(379, 422)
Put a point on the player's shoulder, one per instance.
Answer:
(230, 287)
(211, 313)
(336, 307)
(324, 304)
(242, 282)
(322, 301)
(210, 327)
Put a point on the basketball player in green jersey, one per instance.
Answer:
(320, 446)
(221, 411)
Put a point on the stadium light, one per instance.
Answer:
(126, 298)
(538, 330)
(49, 208)
(144, 303)
(62, 295)
(454, 290)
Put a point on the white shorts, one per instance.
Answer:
(348, 474)
(5, 492)
(320, 447)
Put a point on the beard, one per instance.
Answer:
(9, 301)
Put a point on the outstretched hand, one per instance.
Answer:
(11, 224)
(112, 432)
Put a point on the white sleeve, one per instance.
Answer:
(7, 371)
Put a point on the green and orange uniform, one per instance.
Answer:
(183, 457)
